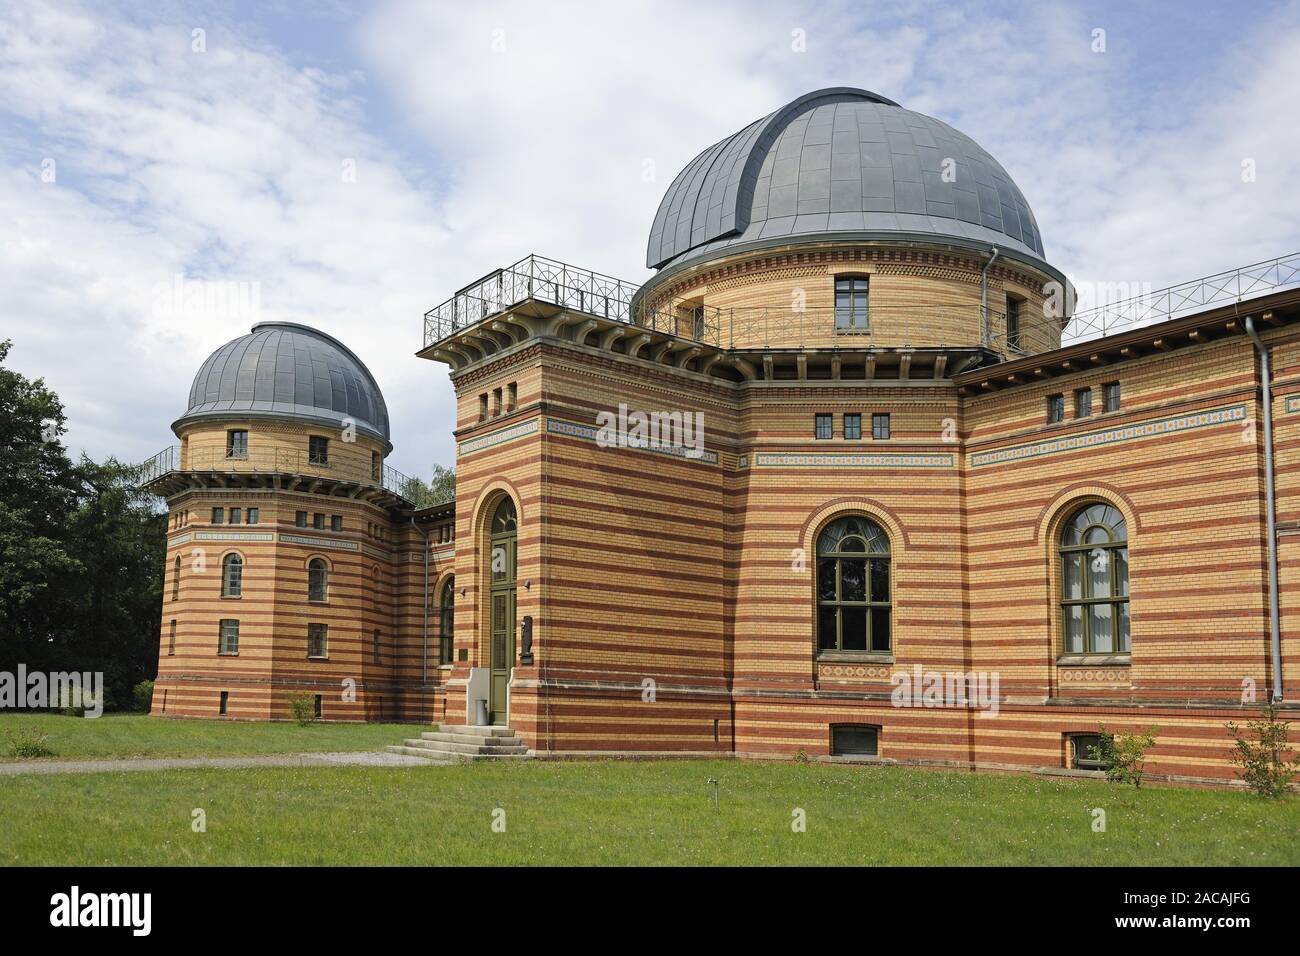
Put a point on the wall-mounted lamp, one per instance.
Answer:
(528, 585)
(462, 591)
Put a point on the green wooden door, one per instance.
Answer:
(503, 561)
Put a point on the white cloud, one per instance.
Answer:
(484, 132)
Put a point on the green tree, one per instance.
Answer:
(440, 488)
(81, 550)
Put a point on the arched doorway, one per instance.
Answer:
(501, 616)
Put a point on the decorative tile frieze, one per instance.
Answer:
(864, 460)
(314, 542)
(1111, 436)
(557, 426)
(492, 439)
(234, 536)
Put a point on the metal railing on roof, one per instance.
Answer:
(1233, 286)
(272, 460)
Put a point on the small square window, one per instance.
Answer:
(300, 519)
(880, 426)
(218, 515)
(1083, 403)
(318, 450)
(318, 521)
(852, 426)
(1055, 408)
(237, 444)
(336, 522)
(1110, 396)
(254, 515)
(855, 740)
(1085, 752)
(824, 426)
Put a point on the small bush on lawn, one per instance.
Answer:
(26, 741)
(303, 708)
(142, 696)
(1124, 756)
(1267, 764)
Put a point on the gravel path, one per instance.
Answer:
(355, 759)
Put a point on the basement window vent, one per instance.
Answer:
(855, 740)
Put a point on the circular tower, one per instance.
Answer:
(843, 221)
(279, 583)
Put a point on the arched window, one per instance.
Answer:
(176, 578)
(1094, 581)
(446, 621)
(503, 520)
(317, 580)
(232, 576)
(853, 605)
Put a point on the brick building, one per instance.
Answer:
(845, 477)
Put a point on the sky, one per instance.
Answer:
(351, 165)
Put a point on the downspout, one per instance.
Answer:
(1274, 615)
(424, 655)
(984, 294)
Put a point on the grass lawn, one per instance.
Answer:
(612, 812)
(134, 735)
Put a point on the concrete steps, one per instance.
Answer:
(458, 743)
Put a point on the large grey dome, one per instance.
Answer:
(283, 370)
(841, 164)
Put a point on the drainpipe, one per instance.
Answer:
(984, 293)
(1274, 616)
(424, 656)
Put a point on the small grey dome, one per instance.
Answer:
(282, 370)
(841, 164)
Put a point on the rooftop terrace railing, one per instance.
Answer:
(1233, 286)
(270, 460)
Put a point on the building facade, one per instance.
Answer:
(844, 478)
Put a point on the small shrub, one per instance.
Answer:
(1124, 756)
(26, 742)
(1264, 762)
(142, 696)
(303, 708)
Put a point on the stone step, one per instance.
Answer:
(448, 746)
(448, 757)
(482, 741)
(486, 730)
(432, 756)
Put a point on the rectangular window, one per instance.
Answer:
(235, 516)
(1085, 752)
(1083, 403)
(496, 402)
(319, 701)
(1110, 396)
(229, 640)
(852, 426)
(376, 466)
(316, 639)
(218, 515)
(223, 706)
(318, 450)
(1013, 323)
(254, 515)
(336, 522)
(855, 740)
(1055, 409)
(512, 396)
(318, 521)
(880, 426)
(851, 304)
(482, 406)
(300, 519)
(375, 646)
(171, 640)
(237, 444)
(823, 426)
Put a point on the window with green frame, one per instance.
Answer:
(446, 621)
(853, 596)
(1086, 753)
(1094, 581)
